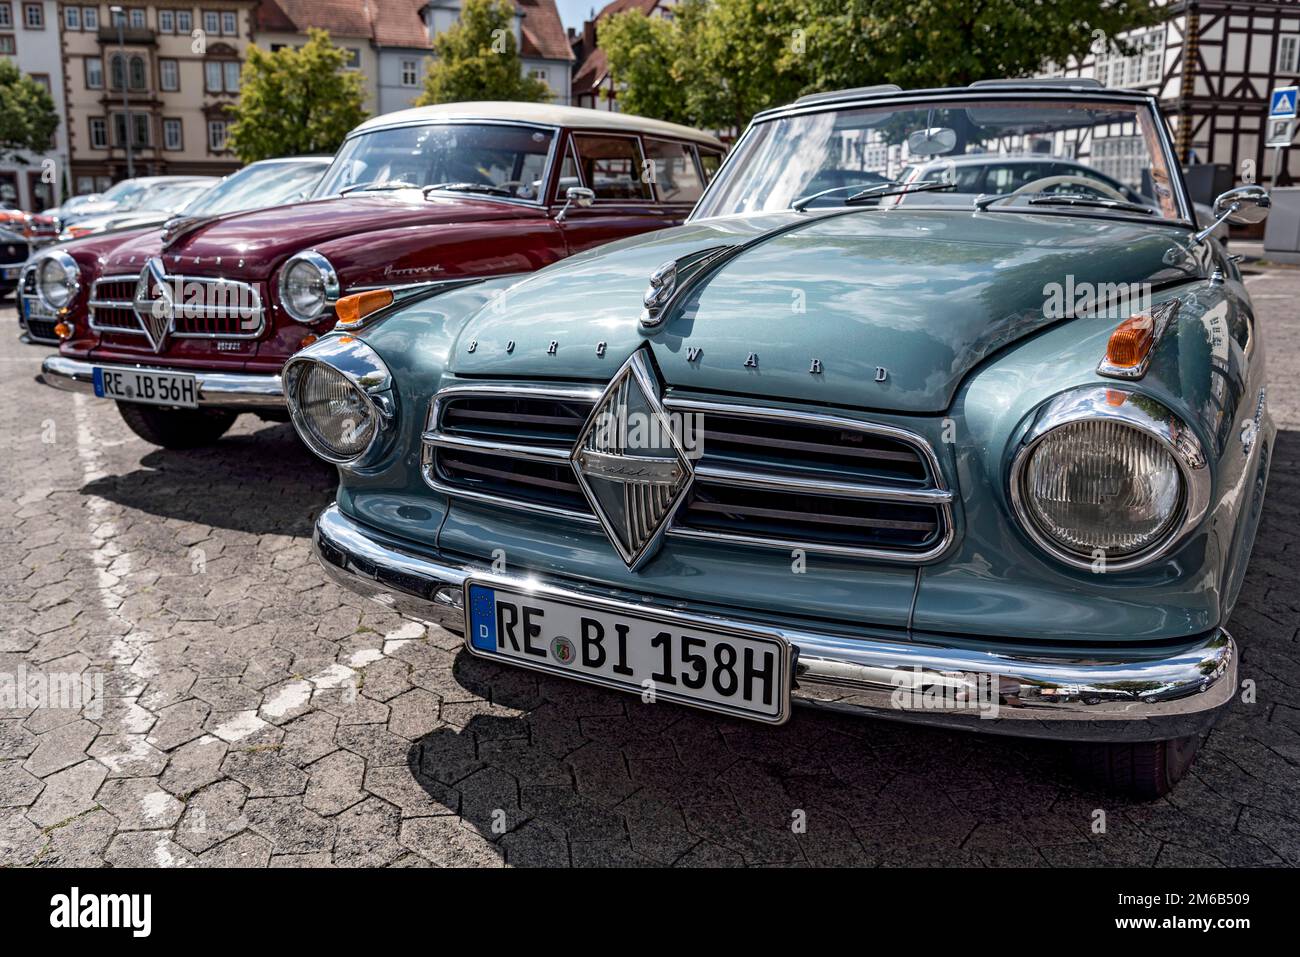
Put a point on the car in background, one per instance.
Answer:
(869, 456)
(271, 182)
(992, 174)
(188, 328)
(156, 205)
(73, 205)
(14, 250)
(123, 196)
(36, 229)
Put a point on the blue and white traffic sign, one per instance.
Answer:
(1283, 102)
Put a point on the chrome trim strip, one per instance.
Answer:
(226, 390)
(1093, 403)
(939, 495)
(1163, 315)
(1041, 694)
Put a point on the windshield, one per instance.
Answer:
(126, 193)
(258, 186)
(492, 159)
(1022, 153)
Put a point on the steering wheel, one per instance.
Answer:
(1047, 182)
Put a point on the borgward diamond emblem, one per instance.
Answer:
(630, 462)
(154, 313)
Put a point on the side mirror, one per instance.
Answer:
(1243, 206)
(575, 196)
(1240, 207)
(932, 142)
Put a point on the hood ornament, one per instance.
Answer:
(154, 313)
(672, 280)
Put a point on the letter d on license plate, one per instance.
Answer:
(711, 666)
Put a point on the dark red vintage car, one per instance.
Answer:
(187, 327)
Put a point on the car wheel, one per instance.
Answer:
(1144, 769)
(176, 428)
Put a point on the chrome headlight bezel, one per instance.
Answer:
(1151, 418)
(366, 373)
(70, 269)
(329, 278)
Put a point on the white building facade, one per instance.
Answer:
(29, 37)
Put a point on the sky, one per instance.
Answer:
(573, 12)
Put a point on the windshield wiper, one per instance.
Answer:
(802, 202)
(1073, 199)
(376, 185)
(469, 188)
(892, 189)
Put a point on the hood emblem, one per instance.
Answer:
(630, 462)
(154, 312)
(673, 279)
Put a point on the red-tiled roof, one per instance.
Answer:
(342, 18)
(543, 32)
(398, 23)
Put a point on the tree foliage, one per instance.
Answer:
(296, 102)
(478, 59)
(717, 62)
(27, 115)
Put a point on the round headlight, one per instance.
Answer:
(308, 286)
(57, 279)
(1098, 484)
(336, 414)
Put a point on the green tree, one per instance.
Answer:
(477, 59)
(27, 115)
(296, 102)
(644, 54)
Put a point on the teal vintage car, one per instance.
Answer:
(988, 460)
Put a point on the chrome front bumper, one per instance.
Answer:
(1039, 696)
(225, 390)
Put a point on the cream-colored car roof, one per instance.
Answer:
(543, 113)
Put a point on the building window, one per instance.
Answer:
(232, 76)
(94, 73)
(138, 81)
(410, 72)
(354, 58)
(140, 128)
(166, 21)
(172, 136)
(98, 133)
(72, 18)
(212, 76)
(34, 16)
(184, 21)
(44, 80)
(137, 19)
(217, 135)
(90, 18)
(1287, 50)
(6, 16)
(7, 43)
(169, 75)
(212, 22)
(229, 24)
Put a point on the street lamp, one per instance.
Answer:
(119, 15)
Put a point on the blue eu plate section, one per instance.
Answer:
(99, 382)
(482, 617)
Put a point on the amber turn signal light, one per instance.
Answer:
(1131, 341)
(356, 307)
(306, 341)
(63, 330)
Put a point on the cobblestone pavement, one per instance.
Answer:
(252, 714)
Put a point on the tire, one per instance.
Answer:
(176, 428)
(1145, 769)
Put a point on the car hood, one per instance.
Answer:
(262, 237)
(884, 309)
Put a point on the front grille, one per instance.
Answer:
(205, 308)
(765, 477)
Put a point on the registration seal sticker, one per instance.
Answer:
(562, 650)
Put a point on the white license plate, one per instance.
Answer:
(736, 672)
(151, 388)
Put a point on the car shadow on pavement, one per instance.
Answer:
(265, 482)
